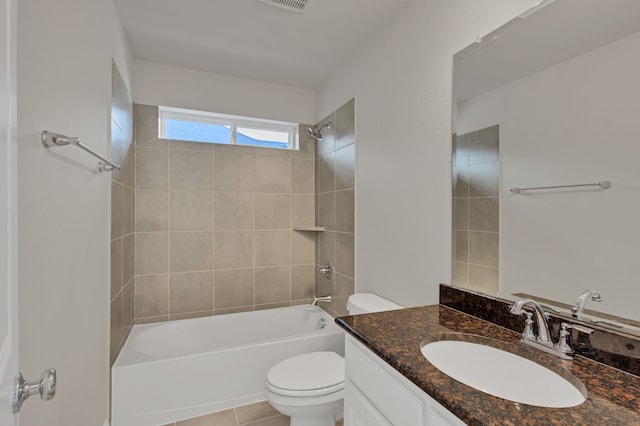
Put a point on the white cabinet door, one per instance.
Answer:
(359, 411)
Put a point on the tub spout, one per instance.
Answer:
(320, 299)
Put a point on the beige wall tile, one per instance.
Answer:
(303, 247)
(460, 214)
(151, 211)
(116, 327)
(151, 253)
(303, 210)
(234, 211)
(272, 285)
(191, 146)
(233, 288)
(273, 211)
(190, 315)
(191, 251)
(462, 182)
(325, 247)
(302, 281)
(128, 211)
(324, 286)
(484, 145)
(306, 148)
(484, 179)
(484, 214)
(345, 206)
(344, 254)
(127, 307)
(152, 168)
(191, 170)
(302, 176)
(461, 274)
(326, 210)
(483, 248)
(121, 150)
(146, 126)
(344, 287)
(325, 173)
(127, 258)
(191, 292)
(234, 172)
(235, 310)
(273, 248)
(233, 249)
(461, 243)
(345, 167)
(150, 320)
(345, 124)
(191, 211)
(116, 267)
(272, 174)
(271, 152)
(328, 142)
(483, 279)
(151, 296)
(117, 207)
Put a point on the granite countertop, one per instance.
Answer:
(613, 396)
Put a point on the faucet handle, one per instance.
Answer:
(527, 333)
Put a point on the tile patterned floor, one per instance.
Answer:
(259, 414)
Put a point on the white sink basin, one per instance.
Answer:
(502, 374)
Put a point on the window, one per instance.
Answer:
(201, 126)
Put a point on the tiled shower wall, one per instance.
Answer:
(335, 195)
(476, 206)
(121, 214)
(213, 225)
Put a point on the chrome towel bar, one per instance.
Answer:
(50, 139)
(605, 184)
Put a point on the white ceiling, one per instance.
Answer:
(248, 39)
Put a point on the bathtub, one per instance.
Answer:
(173, 371)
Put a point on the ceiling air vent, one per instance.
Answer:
(291, 5)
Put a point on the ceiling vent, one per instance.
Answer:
(291, 5)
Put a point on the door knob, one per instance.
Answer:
(46, 387)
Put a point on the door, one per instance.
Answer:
(8, 212)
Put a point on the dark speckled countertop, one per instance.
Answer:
(613, 396)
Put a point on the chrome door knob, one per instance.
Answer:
(46, 387)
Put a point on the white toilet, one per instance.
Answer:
(309, 388)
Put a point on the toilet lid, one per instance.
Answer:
(308, 372)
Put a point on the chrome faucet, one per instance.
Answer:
(320, 299)
(543, 340)
(578, 308)
(544, 337)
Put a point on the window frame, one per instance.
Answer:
(232, 121)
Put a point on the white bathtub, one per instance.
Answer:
(182, 369)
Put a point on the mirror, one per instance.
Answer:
(551, 99)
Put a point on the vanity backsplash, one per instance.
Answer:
(609, 347)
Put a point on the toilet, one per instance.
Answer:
(309, 388)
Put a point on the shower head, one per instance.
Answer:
(316, 133)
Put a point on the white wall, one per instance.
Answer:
(576, 122)
(156, 84)
(402, 84)
(65, 50)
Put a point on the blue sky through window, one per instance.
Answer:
(219, 133)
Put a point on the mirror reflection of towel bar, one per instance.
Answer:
(605, 184)
(50, 139)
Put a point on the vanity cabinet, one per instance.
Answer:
(377, 395)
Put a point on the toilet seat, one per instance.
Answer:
(311, 374)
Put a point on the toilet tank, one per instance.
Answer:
(364, 303)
